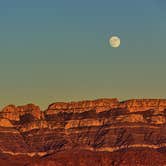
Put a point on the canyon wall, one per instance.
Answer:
(103, 125)
(101, 105)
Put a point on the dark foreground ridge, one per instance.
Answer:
(103, 132)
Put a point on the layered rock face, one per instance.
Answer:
(101, 105)
(103, 128)
(14, 113)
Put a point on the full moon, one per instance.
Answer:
(114, 41)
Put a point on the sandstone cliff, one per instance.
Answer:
(101, 105)
(95, 127)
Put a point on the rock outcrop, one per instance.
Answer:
(14, 113)
(88, 127)
(101, 105)
(82, 106)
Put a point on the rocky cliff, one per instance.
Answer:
(106, 131)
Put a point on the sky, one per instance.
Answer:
(58, 50)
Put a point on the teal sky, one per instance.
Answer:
(57, 50)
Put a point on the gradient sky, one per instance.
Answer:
(58, 50)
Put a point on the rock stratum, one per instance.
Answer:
(103, 132)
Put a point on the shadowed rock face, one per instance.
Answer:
(101, 129)
(14, 113)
